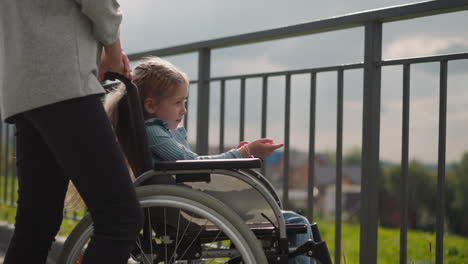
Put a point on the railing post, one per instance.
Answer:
(441, 160)
(287, 130)
(242, 111)
(2, 157)
(405, 165)
(6, 164)
(222, 110)
(263, 133)
(339, 167)
(370, 142)
(203, 103)
(311, 174)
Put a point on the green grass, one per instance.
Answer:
(8, 187)
(7, 214)
(421, 245)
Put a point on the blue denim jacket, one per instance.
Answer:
(167, 144)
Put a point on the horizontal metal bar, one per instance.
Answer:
(414, 60)
(396, 13)
(292, 72)
(438, 58)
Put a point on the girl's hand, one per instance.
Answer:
(261, 148)
(242, 143)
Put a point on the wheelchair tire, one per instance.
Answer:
(193, 205)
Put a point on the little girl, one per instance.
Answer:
(163, 91)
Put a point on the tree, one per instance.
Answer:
(457, 197)
(421, 185)
(353, 157)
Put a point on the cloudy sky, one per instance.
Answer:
(154, 24)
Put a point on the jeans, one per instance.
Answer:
(298, 239)
(72, 140)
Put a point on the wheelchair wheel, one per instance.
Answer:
(190, 227)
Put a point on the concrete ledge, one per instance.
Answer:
(6, 232)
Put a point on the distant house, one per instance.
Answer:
(324, 182)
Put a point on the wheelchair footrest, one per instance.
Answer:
(296, 229)
(278, 259)
(317, 250)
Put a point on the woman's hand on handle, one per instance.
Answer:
(114, 59)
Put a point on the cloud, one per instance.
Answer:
(152, 24)
(424, 127)
(245, 65)
(424, 45)
(424, 111)
(457, 107)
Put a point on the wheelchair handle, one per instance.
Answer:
(131, 110)
(112, 76)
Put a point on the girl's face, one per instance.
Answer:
(172, 109)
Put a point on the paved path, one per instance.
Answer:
(6, 231)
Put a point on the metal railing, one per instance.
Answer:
(372, 65)
(8, 181)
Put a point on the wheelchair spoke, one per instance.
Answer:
(138, 242)
(214, 240)
(194, 239)
(174, 255)
(178, 225)
(150, 236)
(165, 234)
(177, 233)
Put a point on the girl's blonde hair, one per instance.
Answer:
(155, 78)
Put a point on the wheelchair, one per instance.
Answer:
(201, 211)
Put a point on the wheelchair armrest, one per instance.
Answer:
(249, 163)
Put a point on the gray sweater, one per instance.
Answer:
(49, 50)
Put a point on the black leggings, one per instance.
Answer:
(72, 140)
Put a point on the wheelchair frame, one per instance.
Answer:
(178, 173)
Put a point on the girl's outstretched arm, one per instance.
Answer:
(260, 148)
